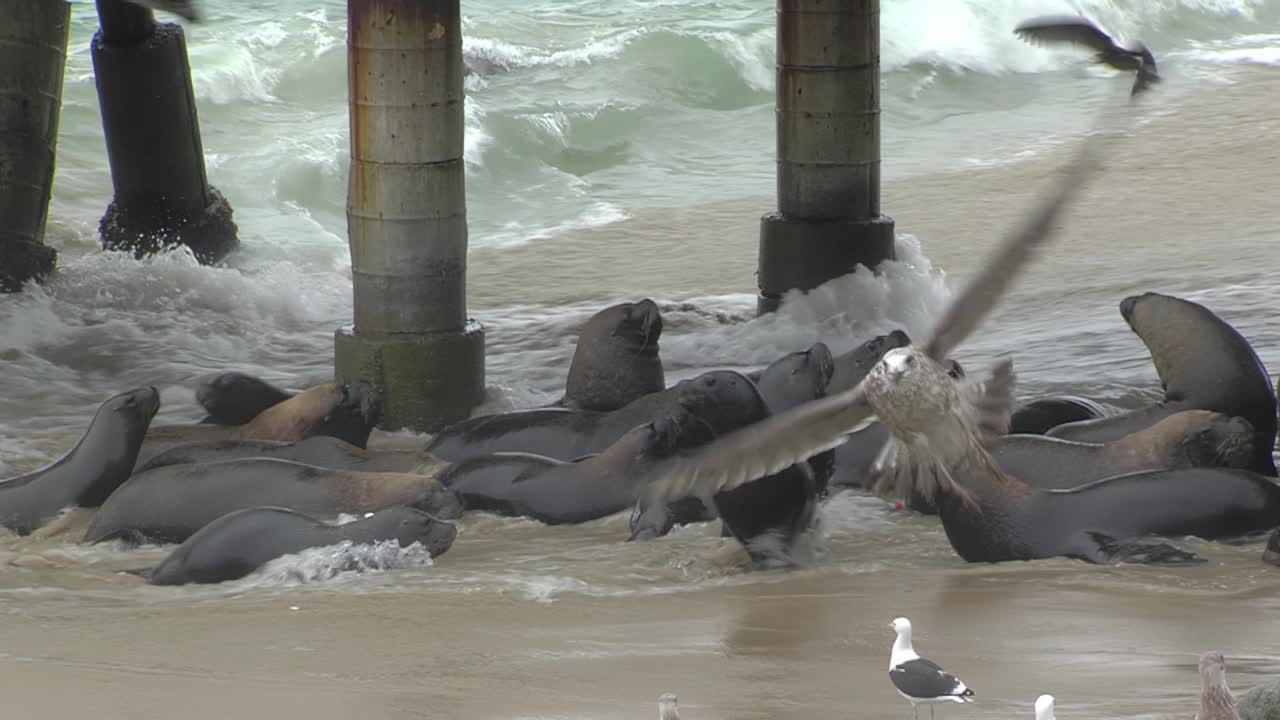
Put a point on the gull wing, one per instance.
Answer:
(757, 450)
(979, 297)
(1066, 30)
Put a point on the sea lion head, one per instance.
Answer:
(347, 411)
(723, 400)
(1209, 439)
(637, 324)
(138, 406)
(236, 398)
(355, 410)
(1169, 327)
(796, 378)
(409, 525)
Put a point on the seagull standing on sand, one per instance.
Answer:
(1044, 708)
(920, 680)
(668, 707)
(1216, 700)
(1077, 30)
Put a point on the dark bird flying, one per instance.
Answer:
(1081, 31)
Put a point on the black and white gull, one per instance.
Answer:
(918, 679)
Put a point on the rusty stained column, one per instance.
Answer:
(162, 196)
(828, 149)
(33, 53)
(407, 215)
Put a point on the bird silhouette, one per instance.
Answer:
(1079, 30)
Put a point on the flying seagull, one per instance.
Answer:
(934, 420)
(668, 707)
(188, 9)
(918, 679)
(1216, 700)
(1079, 30)
(1044, 708)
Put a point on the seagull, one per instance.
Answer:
(1079, 30)
(920, 680)
(188, 9)
(1216, 700)
(1044, 708)
(934, 419)
(668, 707)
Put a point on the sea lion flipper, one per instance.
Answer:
(144, 573)
(1104, 549)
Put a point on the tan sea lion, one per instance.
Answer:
(348, 412)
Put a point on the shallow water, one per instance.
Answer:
(519, 620)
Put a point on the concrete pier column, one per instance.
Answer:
(828, 148)
(407, 215)
(33, 54)
(162, 195)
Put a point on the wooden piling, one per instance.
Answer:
(828, 148)
(406, 215)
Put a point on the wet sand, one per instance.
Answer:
(522, 621)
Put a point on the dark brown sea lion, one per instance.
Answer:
(235, 398)
(616, 359)
(1039, 416)
(348, 412)
(89, 472)
(556, 492)
(561, 433)
(1191, 438)
(238, 543)
(1107, 520)
(1203, 364)
(791, 380)
(169, 504)
(318, 450)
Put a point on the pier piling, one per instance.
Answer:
(33, 53)
(162, 194)
(407, 215)
(828, 149)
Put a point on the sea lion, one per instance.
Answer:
(1203, 364)
(235, 398)
(556, 492)
(1043, 414)
(240, 542)
(1192, 438)
(89, 472)
(562, 433)
(319, 450)
(791, 380)
(616, 359)
(168, 504)
(1104, 521)
(853, 366)
(348, 412)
